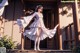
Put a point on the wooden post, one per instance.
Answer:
(59, 30)
(59, 36)
(76, 22)
(77, 18)
(22, 36)
(22, 42)
(60, 39)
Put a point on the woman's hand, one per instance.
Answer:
(56, 25)
(21, 30)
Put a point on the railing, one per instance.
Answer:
(69, 36)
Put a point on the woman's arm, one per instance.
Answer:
(34, 14)
(27, 19)
(56, 25)
(23, 23)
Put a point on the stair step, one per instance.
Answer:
(41, 51)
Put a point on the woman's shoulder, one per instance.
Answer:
(35, 12)
(39, 14)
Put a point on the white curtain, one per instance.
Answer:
(2, 6)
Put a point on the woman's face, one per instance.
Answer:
(40, 9)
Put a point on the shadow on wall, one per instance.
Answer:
(66, 10)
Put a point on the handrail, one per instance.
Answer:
(69, 25)
(68, 35)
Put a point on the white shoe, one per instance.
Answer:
(35, 49)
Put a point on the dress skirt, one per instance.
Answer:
(31, 34)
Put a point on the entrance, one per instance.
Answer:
(48, 24)
(50, 20)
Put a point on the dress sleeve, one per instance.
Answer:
(27, 19)
(19, 22)
(34, 14)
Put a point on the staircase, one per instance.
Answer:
(41, 51)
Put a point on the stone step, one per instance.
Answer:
(41, 51)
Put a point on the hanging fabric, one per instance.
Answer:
(3, 3)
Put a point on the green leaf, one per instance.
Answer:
(7, 42)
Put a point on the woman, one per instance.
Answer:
(37, 30)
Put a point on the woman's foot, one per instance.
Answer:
(38, 48)
(35, 49)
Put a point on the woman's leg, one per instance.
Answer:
(39, 32)
(38, 46)
(36, 40)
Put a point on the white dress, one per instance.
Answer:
(38, 22)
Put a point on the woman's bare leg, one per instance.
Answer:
(36, 40)
(39, 32)
(38, 45)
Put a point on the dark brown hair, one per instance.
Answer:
(38, 7)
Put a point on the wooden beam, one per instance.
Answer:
(22, 42)
(59, 30)
(77, 18)
(76, 6)
(69, 1)
(60, 42)
(76, 21)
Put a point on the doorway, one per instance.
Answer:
(50, 21)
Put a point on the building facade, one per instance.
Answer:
(55, 12)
